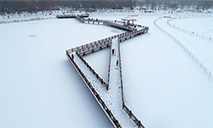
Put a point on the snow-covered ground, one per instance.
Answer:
(39, 87)
(8, 18)
(40, 15)
(200, 26)
(162, 85)
(173, 90)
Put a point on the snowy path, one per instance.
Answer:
(91, 78)
(112, 103)
(115, 86)
(113, 97)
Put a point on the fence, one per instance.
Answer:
(191, 33)
(195, 59)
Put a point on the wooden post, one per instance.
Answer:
(72, 57)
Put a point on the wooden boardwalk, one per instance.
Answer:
(109, 95)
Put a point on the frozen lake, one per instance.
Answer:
(162, 85)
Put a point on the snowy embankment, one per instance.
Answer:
(23, 17)
(163, 86)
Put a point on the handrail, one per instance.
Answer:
(106, 41)
(126, 109)
(133, 117)
(85, 49)
(110, 54)
(93, 71)
(107, 110)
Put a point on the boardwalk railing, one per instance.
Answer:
(132, 116)
(93, 72)
(116, 24)
(79, 18)
(96, 45)
(94, 92)
(110, 54)
(119, 54)
(106, 42)
(126, 109)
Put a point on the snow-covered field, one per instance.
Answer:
(197, 25)
(162, 85)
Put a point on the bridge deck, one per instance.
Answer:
(112, 97)
(115, 86)
(109, 96)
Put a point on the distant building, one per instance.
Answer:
(128, 20)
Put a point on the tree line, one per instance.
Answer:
(39, 5)
(177, 4)
(12, 6)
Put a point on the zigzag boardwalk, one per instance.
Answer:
(109, 96)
